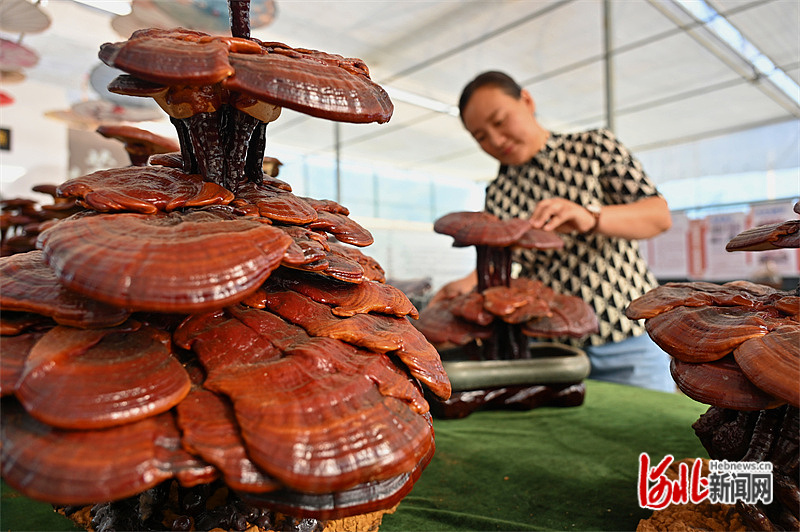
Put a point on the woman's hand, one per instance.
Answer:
(641, 219)
(563, 216)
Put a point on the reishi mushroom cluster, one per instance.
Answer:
(198, 322)
(501, 312)
(736, 347)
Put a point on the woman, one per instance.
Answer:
(588, 187)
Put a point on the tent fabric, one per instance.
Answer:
(673, 83)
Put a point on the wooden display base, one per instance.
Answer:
(552, 376)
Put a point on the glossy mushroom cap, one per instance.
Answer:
(481, 228)
(308, 81)
(765, 237)
(702, 323)
(176, 262)
(139, 143)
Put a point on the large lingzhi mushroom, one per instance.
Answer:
(736, 347)
(198, 347)
(495, 321)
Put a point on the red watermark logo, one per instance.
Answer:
(657, 491)
(726, 483)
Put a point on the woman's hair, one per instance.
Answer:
(492, 78)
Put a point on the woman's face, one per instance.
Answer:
(504, 126)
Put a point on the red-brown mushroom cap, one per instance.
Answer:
(372, 269)
(703, 334)
(470, 306)
(144, 189)
(327, 206)
(296, 415)
(440, 327)
(97, 378)
(210, 431)
(27, 283)
(128, 85)
(367, 497)
(12, 363)
(481, 228)
(310, 82)
(765, 237)
(515, 304)
(772, 362)
(384, 334)
(345, 229)
(285, 389)
(170, 160)
(175, 262)
(276, 204)
(83, 467)
(720, 383)
(693, 294)
(539, 239)
(570, 316)
(308, 246)
(175, 56)
(138, 141)
(13, 323)
(349, 299)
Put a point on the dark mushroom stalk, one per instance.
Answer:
(494, 269)
(220, 92)
(225, 144)
(240, 18)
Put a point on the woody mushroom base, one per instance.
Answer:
(191, 350)
(484, 335)
(736, 347)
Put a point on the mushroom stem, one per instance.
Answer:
(207, 146)
(494, 269)
(185, 141)
(225, 146)
(483, 267)
(138, 159)
(240, 18)
(764, 435)
(785, 454)
(237, 132)
(253, 168)
(493, 266)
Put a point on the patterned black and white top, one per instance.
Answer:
(607, 272)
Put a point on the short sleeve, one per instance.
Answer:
(622, 175)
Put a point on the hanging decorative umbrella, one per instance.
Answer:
(91, 113)
(22, 16)
(14, 56)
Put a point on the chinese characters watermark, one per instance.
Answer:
(726, 483)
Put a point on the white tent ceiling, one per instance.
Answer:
(672, 80)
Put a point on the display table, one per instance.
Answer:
(546, 469)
